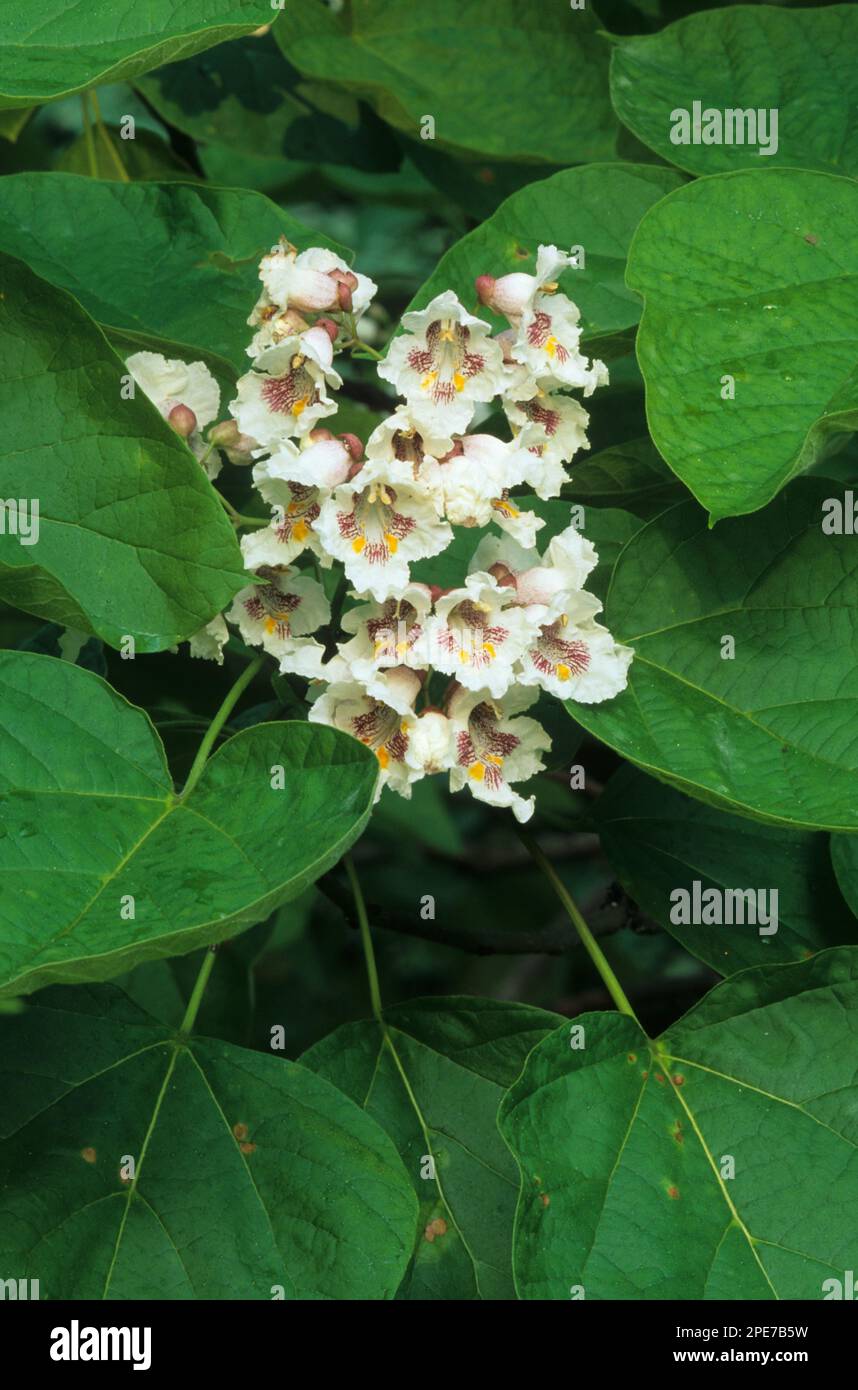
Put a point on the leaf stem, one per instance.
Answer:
(218, 722)
(106, 140)
(366, 942)
(238, 518)
(87, 136)
(588, 940)
(197, 992)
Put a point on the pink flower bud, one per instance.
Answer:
(436, 592)
(502, 574)
(224, 435)
(318, 434)
(330, 328)
(344, 298)
(509, 295)
(183, 420)
(353, 471)
(353, 444)
(485, 287)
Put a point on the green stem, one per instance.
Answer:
(364, 348)
(238, 518)
(366, 942)
(588, 940)
(87, 136)
(106, 140)
(197, 993)
(218, 722)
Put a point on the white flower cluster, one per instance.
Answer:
(521, 622)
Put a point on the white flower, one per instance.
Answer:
(377, 531)
(493, 749)
(284, 395)
(575, 658)
(545, 585)
(386, 635)
(513, 294)
(431, 744)
(521, 525)
(323, 464)
(385, 730)
(547, 344)
(210, 641)
(399, 452)
(477, 636)
(477, 473)
(286, 607)
(552, 429)
(171, 384)
(314, 281)
(443, 365)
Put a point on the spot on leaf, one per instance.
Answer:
(240, 1130)
(88, 1155)
(438, 1227)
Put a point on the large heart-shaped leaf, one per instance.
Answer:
(659, 841)
(769, 730)
(501, 87)
(647, 1169)
(64, 47)
(597, 207)
(631, 475)
(458, 1057)
(130, 540)
(176, 260)
(748, 341)
(253, 1178)
(154, 875)
(246, 96)
(744, 63)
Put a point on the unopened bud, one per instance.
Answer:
(344, 297)
(183, 420)
(485, 286)
(330, 328)
(353, 471)
(437, 592)
(352, 444)
(316, 436)
(224, 435)
(502, 574)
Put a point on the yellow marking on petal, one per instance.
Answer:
(551, 345)
(301, 531)
(392, 542)
(477, 771)
(447, 335)
(494, 758)
(358, 544)
(563, 673)
(292, 508)
(383, 756)
(458, 381)
(269, 625)
(489, 650)
(300, 406)
(506, 507)
(401, 648)
(464, 657)
(428, 380)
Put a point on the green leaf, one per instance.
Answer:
(769, 732)
(749, 282)
(251, 1172)
(659, 841)
(131, 539)
(246, 96)
(844, 857)
(67, 47)
(459, 1056)
(623, 1145)
(745, 59)
(147, 156)
(530, 85)
(597, 207)
(631, 475)
(154, 875)
(179, 261)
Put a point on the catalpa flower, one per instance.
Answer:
(185, 393)
(552, 429)
(377, 531)
(386, 635)
(477, 473)
(494, 749)
(431, 744)
(545, 584)
(277, 613)
(512, 295)
(383, 728)
(285, 394)
(477, 636)
(576, 658)
(313, 281)
(547, 345)
(398, 452)
(443, 365)
(210, 641)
